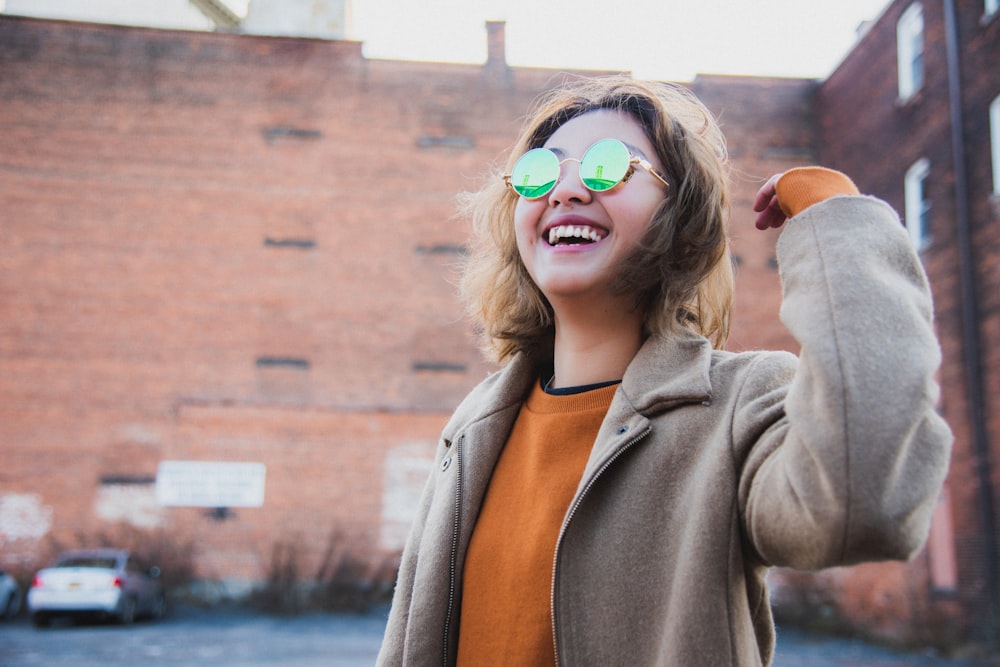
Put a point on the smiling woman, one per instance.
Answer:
(616, 493)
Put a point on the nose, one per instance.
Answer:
(569, 187)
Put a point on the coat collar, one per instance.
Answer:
(667, 370)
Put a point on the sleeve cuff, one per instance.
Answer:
(800, 188)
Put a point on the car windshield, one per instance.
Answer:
(87, 561)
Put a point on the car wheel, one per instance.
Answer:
(41, 620)
(127, 616)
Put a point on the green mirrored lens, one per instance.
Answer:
(535, 174)
(604, 165)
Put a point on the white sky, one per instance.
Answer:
(659, 39)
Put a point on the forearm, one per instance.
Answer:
(862, 452)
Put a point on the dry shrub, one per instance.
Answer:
(342, 582)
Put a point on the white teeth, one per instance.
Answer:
(571, 231)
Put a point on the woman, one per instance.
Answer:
(616, 493)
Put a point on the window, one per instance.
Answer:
(995, 143)
(991, 7)
(941, 546)
(917, 205)
(910, 50)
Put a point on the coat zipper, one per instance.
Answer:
(452, 564)
(569, 517)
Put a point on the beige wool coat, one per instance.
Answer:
(712, 466)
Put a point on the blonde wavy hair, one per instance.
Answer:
(680, 275)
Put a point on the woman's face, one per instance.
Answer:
(573, 241)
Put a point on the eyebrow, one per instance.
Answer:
(635, 150)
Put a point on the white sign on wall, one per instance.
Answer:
(210, 484)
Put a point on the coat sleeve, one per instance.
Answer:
(848, 452)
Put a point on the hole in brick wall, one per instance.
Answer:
(294, 243)
(441, 249)
(445, 141)
(275, 132)
(438, 367)
(296, 363)
(127, 479)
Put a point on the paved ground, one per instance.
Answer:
(193, 637)
(241, 639)
(797, 649)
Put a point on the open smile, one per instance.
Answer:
(575, 235)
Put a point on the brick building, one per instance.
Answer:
(228, 248)
(232, 248)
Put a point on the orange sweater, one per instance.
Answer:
(506, 616)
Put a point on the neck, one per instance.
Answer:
(591, 349)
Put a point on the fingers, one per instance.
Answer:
(771, 216)
(766, 205)
(766, 193)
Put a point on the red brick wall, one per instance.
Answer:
(232, 248)
(769, 126)
(213, 223)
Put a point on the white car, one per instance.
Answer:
(107, 583)
(10, 596)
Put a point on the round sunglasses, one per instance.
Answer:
(607, 164)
